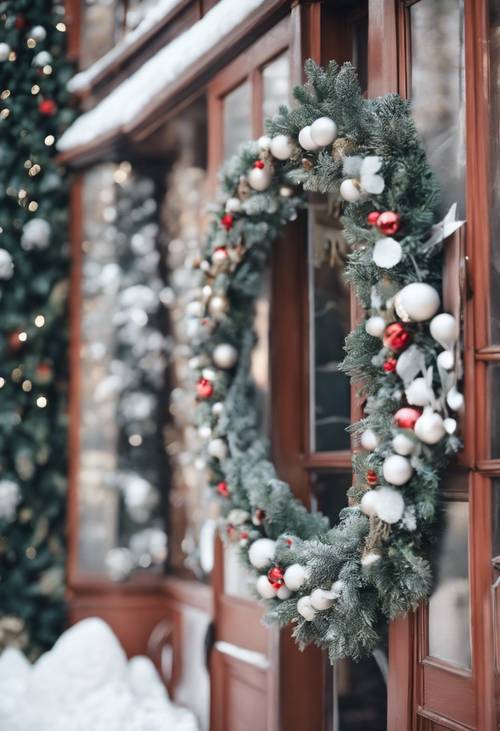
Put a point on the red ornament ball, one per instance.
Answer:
(259, 516)
(14, 341)
(259, 164)
(396, 337)
(204, 388)
(227, 221)
(43, 373)
(371, 478)
(20, 22)
(406, 417)
(223, 489)
(390, 365)
(373, 218)
(388, 223)
(275, 577)
(47, 107)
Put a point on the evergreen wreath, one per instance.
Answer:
(335, 584)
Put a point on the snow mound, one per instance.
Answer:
(86, 683)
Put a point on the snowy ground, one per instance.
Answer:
(86, 683)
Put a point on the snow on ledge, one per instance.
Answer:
(125, 102)
(160, 10)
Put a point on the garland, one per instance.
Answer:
(335, 584)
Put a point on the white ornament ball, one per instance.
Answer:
(444, 329)
(323, 131)
(281, 147)
(387, 253)
(264, 143)
(195, 309)
(233, 205)
(305, 139)
(397, 470)
(218, 408)
(284, 593)
(368, 503)
(375, 326)
(265, 588)
(209, 374)
(305, 608)
(36, 234)
(4, 51)
(349, 190)
(42, 59)
(219, 256)
(217, 448)
(322, 599)
(225, 355)
(218, 306)
(261, 553)
(429, 428)
(259, 179)
(204, 432)
(6, 265)
(416, 302)
(390, 505)
(446, 360)
(369, 440)
(418, 393)
(454, 399)
(450, 425)
(403, 445)
(294, 576)
(38, 32)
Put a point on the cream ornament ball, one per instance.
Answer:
(368, 503)
(375, 326)
(387, 253)
(4, 51)
(403, 445)
(390, 505)
(260, 178)
(450, 425)
(305, 608)
(444, 329)
(416, 302)
(350, 190)
(429, 428)
(264, 143)
(265, 588)
(446, 360)
(281, 147)
(306, 141)
(294, 576)
(323, 131)
(217, 449)
(225, 355)
(261, 553)
(397, 470)
(369, 440)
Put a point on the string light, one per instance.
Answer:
(47, 69)
(41, 402)
(27, 164)
(31, 552)
(22, 194)
(33, 206)
(2, 382)
(49, 140)
(5, 94)
(61, 27)
(12, 56)
(23, 336)
(135, 440)
(39, 321)
(31, 43)
(35, 89)
(34, 170)
(4, 113)
(17, 374)
(26, 386)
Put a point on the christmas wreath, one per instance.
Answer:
(335, 584)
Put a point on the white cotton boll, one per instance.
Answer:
(217, 448)
(261, 553)
(370, 165)
(281, 147)
(368, 502)
(294, 577)
(6, 265)
(284, 593)
(397, 470)
(416, 302)
(370, 558)
(264, 143)
(390, 505)
(322, 599)
(429, 427)
(225, 355)
(259, 179)
(233, 205)
(450, 425)
(444, 329)
(305, 608)
(305, 139)
(375, 326)
(373, 184)
(454, 399)
(418, 393)
(446, 360)
(387, 252)
(265, 588)
(369, 440)
(323, 131)
(350, 190)
(4, 51)
(403, 445)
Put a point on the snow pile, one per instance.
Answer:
(131, 97)
(86, 683)
(159, 11)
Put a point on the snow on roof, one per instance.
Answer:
(154, 15)
(125, 102)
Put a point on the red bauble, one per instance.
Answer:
(406, 417)
(43, 373)
(223, 489)
(388, 223)
(396, 337)
(289, 542)
(14, 342)
(373, 218)
(244, 535)
(204, 388)
(390, 365)
(275, 577)
(259, 164)
(371, 478)
(47, 107)
(20, 22)
(259, 516)
(227, 221)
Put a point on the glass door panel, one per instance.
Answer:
(237, 124)
(275, 85)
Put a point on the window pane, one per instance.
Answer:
(494, 158)
(329, 307)
(237, 118)
(438, 92)
(276, 85)
(449, 640)
(121, 378)
(493, 412)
